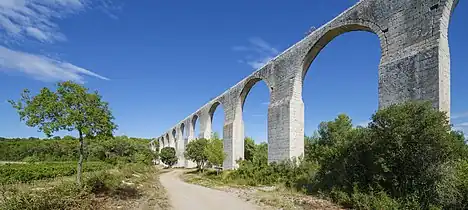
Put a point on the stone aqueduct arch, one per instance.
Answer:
(414, 65)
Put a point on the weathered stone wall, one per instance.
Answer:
(415, 65)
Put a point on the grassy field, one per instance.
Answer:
(27, 172)
(128, 186)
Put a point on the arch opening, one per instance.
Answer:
(195, 127)
(340, 75)
(458, 74)
(168, 140)
(255, 111)
(183, 132)
(331, 34)
(174, 137)
(217, 117)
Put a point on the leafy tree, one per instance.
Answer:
(68, 137)
(70, 108)
(335, 132)
(195, 151)
(413, 144)
(214, 152)
(249, 148)
(168, 156)
(327, 141)
(261, 153)
(408, 151)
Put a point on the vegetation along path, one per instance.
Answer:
(188, 196)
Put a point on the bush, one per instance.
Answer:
(26, 173)
(407, 153)
(31, 159)
(214, 152)
(111, 150)
(66, 194)
(101, 182)
(168, 156)
(407, 158)
(195, 151)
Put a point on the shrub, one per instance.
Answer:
(214, 152)
(249, 148)
(31, 159)
(111, 150)
(168, 156)
(101, 182)
(407, 152)
(66, 194)
(195, 151)
(26, 173)
(407, 158)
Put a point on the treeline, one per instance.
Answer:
(67, 137)
(111, 150)
(406, 158)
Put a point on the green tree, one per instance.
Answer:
(413, 145)
(68, 137)
(195, 151)
(249, 148)
(327, 141)
(70, 108)
(214, 152)
(408, 152)
(335, 132)
(260, 157)
(168, 156)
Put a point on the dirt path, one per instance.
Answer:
(194, 197)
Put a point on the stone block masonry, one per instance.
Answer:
(414, 65)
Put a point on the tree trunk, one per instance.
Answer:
(80, 161)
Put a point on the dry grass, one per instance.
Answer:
(133, 187)
(277, 197)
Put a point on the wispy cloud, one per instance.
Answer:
(266, 103)
(259, 52)
(464, 124)
(35, 20)
(41, 67)
(459, 115)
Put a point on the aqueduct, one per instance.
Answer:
(414, 65)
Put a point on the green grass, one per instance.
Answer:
(124, 186)
(26, 173)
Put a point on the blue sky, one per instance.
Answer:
(158, 61)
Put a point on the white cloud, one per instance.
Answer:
(465, 124)
(261, 52)
(35, 20)
(266, 103)
(42, 67)
(459, 115)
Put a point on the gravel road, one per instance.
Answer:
(184, 196)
